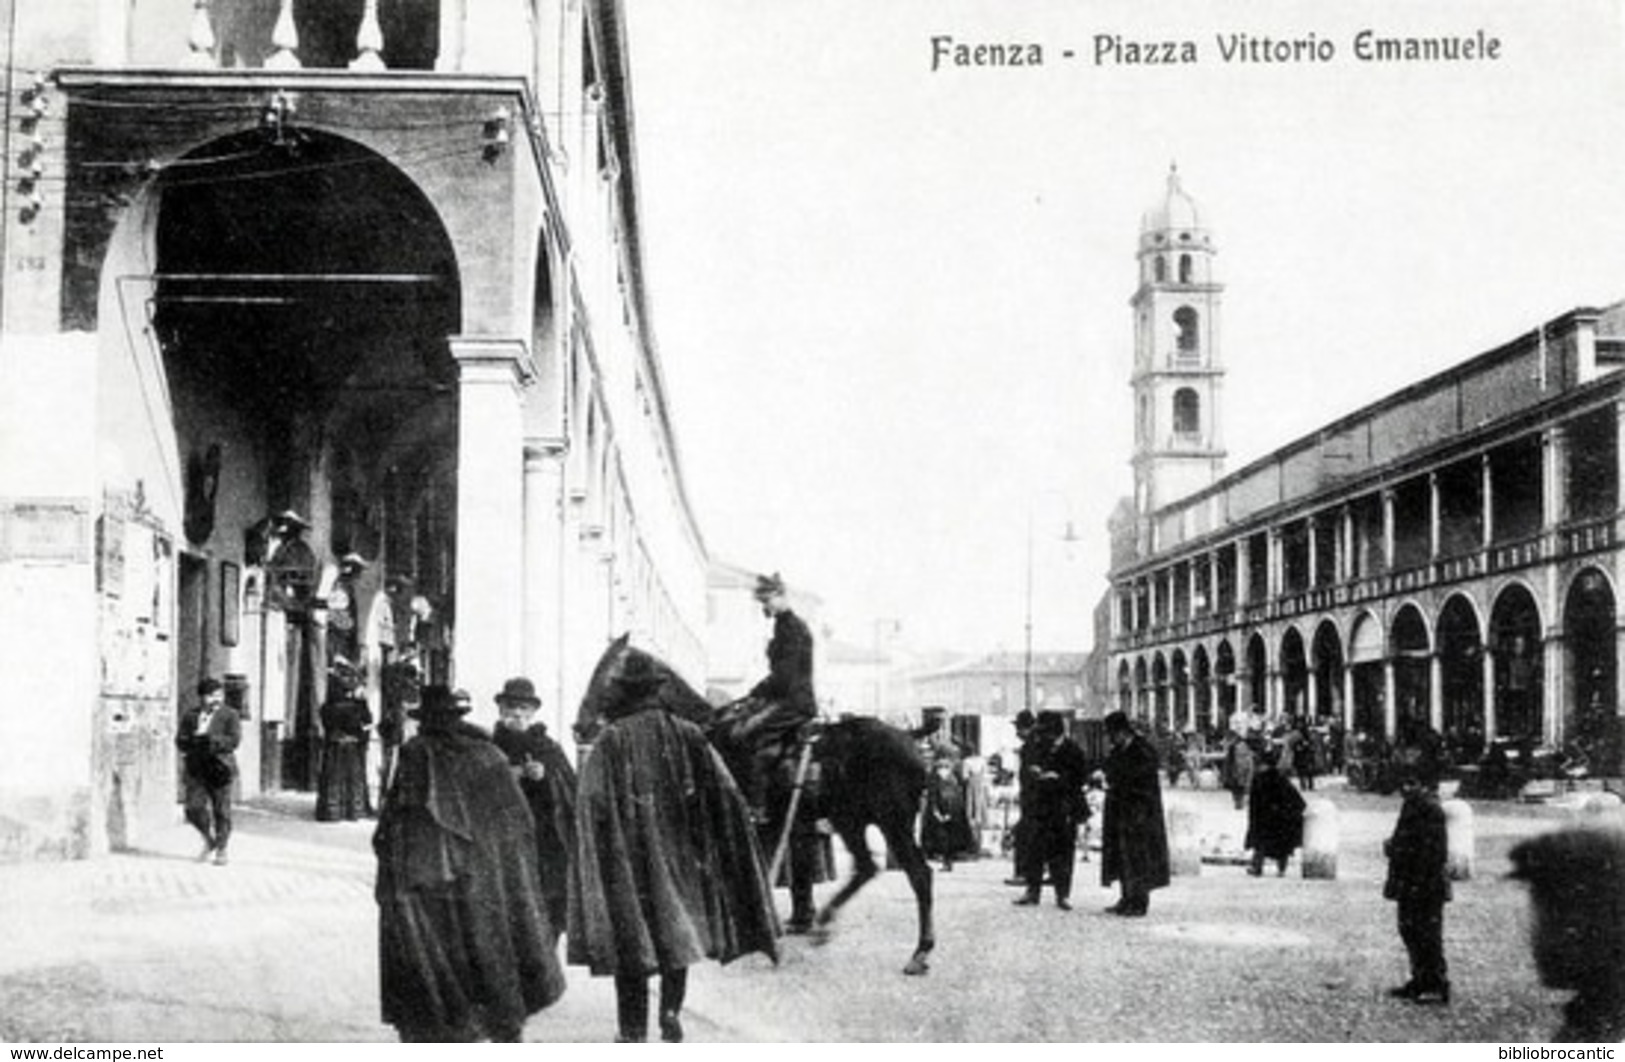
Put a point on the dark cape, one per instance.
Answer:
(1133, 836)
(668, 870)
(1274, 815)
(465, 946)
(552, 800)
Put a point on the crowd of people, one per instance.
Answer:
(491, 846)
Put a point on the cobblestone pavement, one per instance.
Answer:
(281, 946)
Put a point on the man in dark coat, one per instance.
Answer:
(785, 699)
(207, 738)
(465, 949)
(1134, 838)
(1020, 832)
(1055, 772)
(1418, 879)
(668, 870)
(1576, 878)
(549, 784)
(1274, 816)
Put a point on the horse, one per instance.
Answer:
(869, 774)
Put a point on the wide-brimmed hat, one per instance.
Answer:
(352, 560)
(769, 585)
(519, 691)
(638, 675)
(289, 518)
(438, 702)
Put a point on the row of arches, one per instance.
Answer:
(1462, 668)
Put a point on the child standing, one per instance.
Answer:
(1418, 880)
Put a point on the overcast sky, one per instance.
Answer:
(892, 303)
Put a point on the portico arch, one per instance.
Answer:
(1411, 652)
(1591, 724)
(1326, 665)
(1461, 676)
(1368, 669)
(1515, 640)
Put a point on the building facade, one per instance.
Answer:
(981, 697)
(1448, 556)
(373, 262)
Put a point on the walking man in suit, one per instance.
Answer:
(207, 739)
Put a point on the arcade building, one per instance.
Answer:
(371, 264)
(1449, 556)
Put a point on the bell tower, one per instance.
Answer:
(1178, 373)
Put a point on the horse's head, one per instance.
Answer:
(625, 675)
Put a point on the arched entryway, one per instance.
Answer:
(1519, 701)
(1202, 684)
(303, 296)
(1461, 677)
(1258, 676)
(1367, 662)
(1294, 674)
(1224, 676)
(1326, 665)
(1589, 640)
(1411, 649)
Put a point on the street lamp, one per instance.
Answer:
(1070, 536)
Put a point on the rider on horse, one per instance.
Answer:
(783, 701)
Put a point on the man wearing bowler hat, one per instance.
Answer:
(207, 738)
(549, 784)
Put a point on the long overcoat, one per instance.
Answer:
(1274, 814)
(465, 947)
(1133, 837)
(668, 870)
(552, 800)
(1418, 853)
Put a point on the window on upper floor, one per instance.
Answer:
(1188, 341)
(1187, 412)
(1184, 269)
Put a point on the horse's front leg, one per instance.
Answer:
(863, 869)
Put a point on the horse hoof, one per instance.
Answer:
(917, 966)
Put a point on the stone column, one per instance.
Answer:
(542, 649)
(1487, 502)
(1213, 582)
(1554, 476)
(1390, 705)
(1348, 697)
(490, 514)
(1489, 693)
(1274, 587)
(1434, 516)
(1436, 691)
(1311, 527)
(1555, 688)
(1244, 572)
(1388, 529)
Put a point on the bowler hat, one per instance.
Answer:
(1118, 721)
(518, 691)
(769, 585)
(1050, 722)
(638, 675)
(208, 686)
(438, 702)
